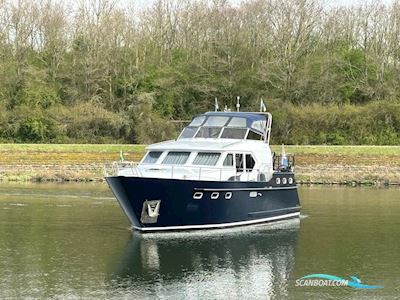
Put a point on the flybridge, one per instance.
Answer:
(230, 125)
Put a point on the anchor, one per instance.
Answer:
(150, 211)
(153, 212)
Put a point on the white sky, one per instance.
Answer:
(147, 3)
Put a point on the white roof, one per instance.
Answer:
(199, 144)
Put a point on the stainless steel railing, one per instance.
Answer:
(114, 168)
(186, 172)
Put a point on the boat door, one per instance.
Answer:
(252, 173)
(245, 167)
(239, 164)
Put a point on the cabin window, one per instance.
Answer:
(197, 121)
(176, 158)
(250, 162)
(237, 122)
(208, 132)
(259, 125)
(228, 162)
(188, 132)
(152, 157)
(216, 121)
(234, 133)
(254, 136)
(206, 159)
(239, 162)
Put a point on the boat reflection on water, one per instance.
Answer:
(250, 262)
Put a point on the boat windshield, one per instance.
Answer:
(225, 127)
(197, 121)
(254, 136)
(234, 133)
(208, 132)
(237, 122)
(216, 121)
(188, 132)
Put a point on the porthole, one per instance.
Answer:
(214, 195)
(228, 195)
(253, 194)
(284, 180)
(290, 180)
(278, 180)
(198, 195)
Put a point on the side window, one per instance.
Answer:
(239, 162)
(250, 162)
(228, 162)
(254, 136)
(152, 157)
(176, 158)
(206, 159)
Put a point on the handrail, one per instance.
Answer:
(198, 172)
(113, 168)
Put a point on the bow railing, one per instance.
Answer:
(131, 169)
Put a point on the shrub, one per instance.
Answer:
(36, 130)
(93, 124)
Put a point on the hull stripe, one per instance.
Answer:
(274, 210)
(247, 189)
(222, 225)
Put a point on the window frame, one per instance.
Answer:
(247, 169)
(147, 154)
(230, 120)
(216, 117)
(248, 133)
(201, 124)
(174, 164)
(243, 168)
(206, 152)
(233, 160)
(194, 136)
(200, 128)
(223, 129)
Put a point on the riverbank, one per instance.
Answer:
(351, 165)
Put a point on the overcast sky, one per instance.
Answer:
(147, 3)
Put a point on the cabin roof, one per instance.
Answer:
(199, 144)
(249, 116)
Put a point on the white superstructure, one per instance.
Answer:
(214, 147)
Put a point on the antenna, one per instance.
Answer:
(216, 104)
(238, 103)
(263, 108)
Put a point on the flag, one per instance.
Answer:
(216, 104)
(284, 159)
(263, 108)
(121, 156)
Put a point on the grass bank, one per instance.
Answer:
(84, 162)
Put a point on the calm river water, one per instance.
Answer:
(72, 242)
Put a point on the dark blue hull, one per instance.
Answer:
(154, 204)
